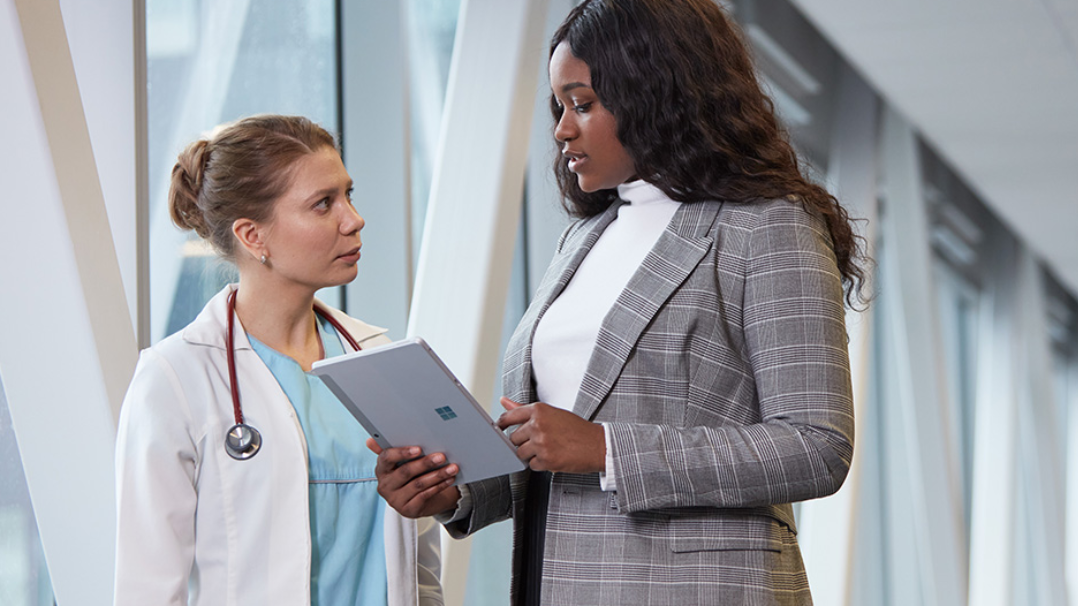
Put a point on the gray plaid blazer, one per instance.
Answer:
(723, 374)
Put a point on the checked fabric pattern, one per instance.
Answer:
(723, 371)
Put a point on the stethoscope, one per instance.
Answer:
(243, 441)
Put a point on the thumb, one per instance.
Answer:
(375, 448)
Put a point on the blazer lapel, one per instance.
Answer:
(674, 256)
(518, 360)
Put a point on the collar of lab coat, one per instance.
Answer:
(209, 328)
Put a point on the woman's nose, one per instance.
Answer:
(564, 129)
(352, 221)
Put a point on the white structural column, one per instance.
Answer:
(375, 139)
(67, 348)
(1040, 452)
(99, 33)
(474, 209)
(933, 480)
(826, 527)
(992, 516)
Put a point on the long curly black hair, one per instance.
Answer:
(680, 83)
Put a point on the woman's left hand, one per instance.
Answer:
(551, 439)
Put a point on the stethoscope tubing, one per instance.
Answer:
(243, 441)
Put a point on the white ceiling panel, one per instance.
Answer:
(993, 86)
(1063, 7)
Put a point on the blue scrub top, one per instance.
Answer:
(348, 562)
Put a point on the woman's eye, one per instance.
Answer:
(582, 108)
(322, 204)
(348, 193)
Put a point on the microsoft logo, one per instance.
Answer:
(446, 413)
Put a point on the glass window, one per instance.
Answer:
(799, 72)
(1067, 384)
(212, 62)
(432, 29)
(1063, 374)
(24, 578)
(869, 570)
(1062, 321)
(959, 303)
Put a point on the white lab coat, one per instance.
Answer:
(194, 525)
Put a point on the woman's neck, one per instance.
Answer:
(281, 318)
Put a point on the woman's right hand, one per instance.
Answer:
(416, 486)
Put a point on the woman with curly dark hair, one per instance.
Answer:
(681, 377)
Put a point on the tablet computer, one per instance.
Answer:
(404, 395)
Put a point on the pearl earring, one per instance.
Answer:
(264, 259)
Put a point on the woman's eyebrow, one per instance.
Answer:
(572, 85)
(322, 193)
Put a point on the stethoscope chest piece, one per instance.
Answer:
(242, 441)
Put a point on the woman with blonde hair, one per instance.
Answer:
(240, 478)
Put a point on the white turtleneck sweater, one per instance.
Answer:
(566, 335)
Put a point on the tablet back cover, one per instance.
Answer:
(404, 395)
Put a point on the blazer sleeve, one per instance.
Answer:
(156, 467)
(796, 346)
(492, 501)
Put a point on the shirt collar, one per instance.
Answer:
(641, 192)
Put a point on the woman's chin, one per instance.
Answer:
(341, 278)
(588, 186)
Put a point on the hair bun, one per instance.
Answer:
(196, 156)
(187, 176)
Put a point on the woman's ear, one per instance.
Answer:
(250, 235)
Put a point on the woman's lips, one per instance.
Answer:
(351, 256)
(575, 160)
